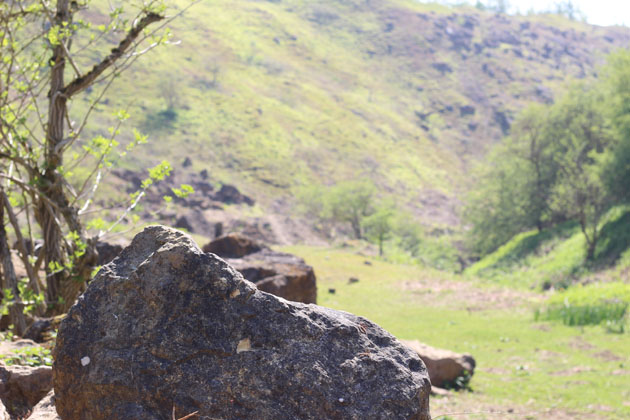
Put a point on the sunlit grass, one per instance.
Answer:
(593, 304)
(556, 257)
(531, 364)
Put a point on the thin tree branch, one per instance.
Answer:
(86, 80)
(32, 279)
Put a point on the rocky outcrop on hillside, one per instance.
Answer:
(204, 196)
(476, 70)
(166, 327)
(279, 273)
(421, 92)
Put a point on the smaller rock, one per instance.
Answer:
(37, 329)
(466, 110)
(229, 194)
(4, 414)
(22, 387)
(444, 366)
(107, 252)
(281, 274)
(332, 291)
(443, 68)
(45, 409)
(233, 245)
(440, 392)
(183, 223)
(42, 330)
(353, 280)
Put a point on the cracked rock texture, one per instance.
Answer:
(166, 325)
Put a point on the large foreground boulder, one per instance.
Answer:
(446, 368)
(166, 327)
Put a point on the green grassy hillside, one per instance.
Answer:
(276, 95)
(556, 257)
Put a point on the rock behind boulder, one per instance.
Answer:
(445, 367)
(165, 327)
(233, 245)
(278, 273)
(281, 274)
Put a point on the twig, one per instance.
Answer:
(185, 417)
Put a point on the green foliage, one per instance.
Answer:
(183, 191)
(513, 193)
(531, 361)
(157, 173)
(616, 86)
(399, 236)
(28, 356)
(593, 304)
(560, 163)
(615, 237)
(556, 257)
(348, 202)
(378, 226)
(462, 382)
(582, 134)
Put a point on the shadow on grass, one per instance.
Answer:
(160, 121)
(532, 243)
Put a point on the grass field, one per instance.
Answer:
(525, 369)
(556, 257)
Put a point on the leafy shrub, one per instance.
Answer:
(593, 304)
(28, 356)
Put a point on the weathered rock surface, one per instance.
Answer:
(281, 274)
(233, 245)
(22, 387)
(45, 409)
(444, 366)
(165, 325)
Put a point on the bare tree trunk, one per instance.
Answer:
(53, 205)
(591, 240)
(10, 280)
(380, 245)
(51, 184)
(63, 286)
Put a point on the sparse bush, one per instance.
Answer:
(593, 304)
(29, 356)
